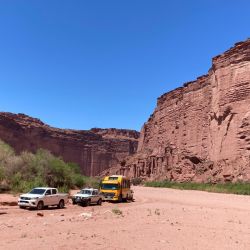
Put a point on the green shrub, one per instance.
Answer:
(136, 181)
(63, 189)
(59, 174)
(91, 182)
(78, 180)
(234, 188)
(116, 211)
(20, 173)
(5, 151)
(16, 181)
(2, 174)
(74, 167)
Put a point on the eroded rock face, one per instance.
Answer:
(94, 150)
(201, 131)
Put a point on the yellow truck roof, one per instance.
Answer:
(114, 178)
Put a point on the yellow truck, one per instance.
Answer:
(116, 188)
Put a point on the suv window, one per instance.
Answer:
(54, 191)
(48, 192)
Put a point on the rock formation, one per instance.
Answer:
(94, 150)
(201, 132)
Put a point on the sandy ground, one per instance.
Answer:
(158, 219)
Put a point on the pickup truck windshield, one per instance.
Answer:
(37, 191)
(110, 186)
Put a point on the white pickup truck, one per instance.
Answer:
(41, 197)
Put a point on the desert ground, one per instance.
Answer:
(157, 219)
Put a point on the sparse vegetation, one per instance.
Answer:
(149, 212)
(24, 235)
(20, 173)
(137, 181)
(157, 211)
(116, 211)
(233, 188)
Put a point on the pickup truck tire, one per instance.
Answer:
(40, 205)
(99, 202)
(61, 204)
(22, 207)
(87, 203)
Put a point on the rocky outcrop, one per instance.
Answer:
(201, 131)
(94, 150)
(113, 133)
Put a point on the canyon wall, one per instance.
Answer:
(201, 131)
(94, 150)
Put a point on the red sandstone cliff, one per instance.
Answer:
(94, 150)
(201, 131)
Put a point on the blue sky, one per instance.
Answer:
(83, 64)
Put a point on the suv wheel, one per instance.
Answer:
(87, 203)
(99, 202)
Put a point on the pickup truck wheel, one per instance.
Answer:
(61, 204)
(99, 202)
(40, 205)
(87, 203)
(22, 207)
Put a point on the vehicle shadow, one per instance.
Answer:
(51, 208)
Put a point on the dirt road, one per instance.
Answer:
(158, 219)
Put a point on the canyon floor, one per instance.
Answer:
(158, 219)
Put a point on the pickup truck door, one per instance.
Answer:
(54, 197)
(95, 197)
(48, 198)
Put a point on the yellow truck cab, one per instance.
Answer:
(116, 188)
